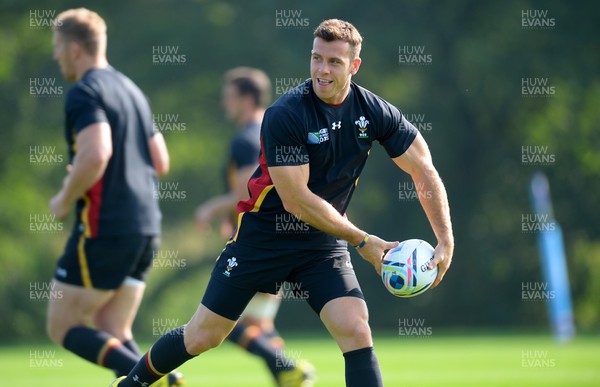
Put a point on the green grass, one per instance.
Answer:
(435, 360)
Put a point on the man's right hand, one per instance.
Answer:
(374, 250)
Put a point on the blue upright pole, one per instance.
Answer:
(553, 261)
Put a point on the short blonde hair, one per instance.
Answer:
(84, 27)
(336, 29)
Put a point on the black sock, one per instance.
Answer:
(254, 341)
(133, 347)
(165, 355)
(272, 333)
(236, 334)
(362, 368)
(100, 348)
(275, 339)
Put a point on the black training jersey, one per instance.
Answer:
(298, 129)
(245, 146)
(243, 153)
(123, 200)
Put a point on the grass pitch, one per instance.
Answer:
(432, 360)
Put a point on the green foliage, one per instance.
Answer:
(470, 95)
(586, 288)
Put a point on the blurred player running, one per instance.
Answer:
(115, 156)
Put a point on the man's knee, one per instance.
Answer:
(76, 307)
(356, 328)
(201, 340)
(206, 330)
(352, 334)
(347, 319)
(115, 329)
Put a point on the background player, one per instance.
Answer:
(115, 156)
(246, 95)
(327, 125)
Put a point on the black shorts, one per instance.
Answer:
(104, 263)
(316, 276)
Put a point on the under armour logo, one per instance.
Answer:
(336, 125)
(137, 379)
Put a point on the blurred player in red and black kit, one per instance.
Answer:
(315, 142)
(246, 95)
(115, 156)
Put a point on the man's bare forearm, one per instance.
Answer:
(434, 200)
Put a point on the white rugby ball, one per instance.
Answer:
(405, 272)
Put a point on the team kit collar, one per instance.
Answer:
(360, 124)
